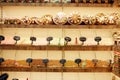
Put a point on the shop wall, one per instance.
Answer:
(56, 55)
(16, 11)
(42, 34)
(57, 76)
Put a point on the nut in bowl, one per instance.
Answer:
(85, 20)
(55, 1)
(2, 20)
(47, 19)
(22, 1)
(17, 21)
(46, 1)
(113, 18)
(26, 20)
(60, 18)
(8, 0)
(74, 18)
(11, 21)
(34, 20)
(66, 1)
(36, 1)
(101, 18)
(92, 20)
(29, 1)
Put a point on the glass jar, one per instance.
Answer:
(36, 1)
(29, 1)
(22, 1)
(74, 18)
(60, 18)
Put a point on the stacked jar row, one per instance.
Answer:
(59, 1)
(61, 18)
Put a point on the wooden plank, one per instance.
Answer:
(55, 47)
(58, 4)
(57, 69)
(116, 48)
(117, 74)
(61, 26)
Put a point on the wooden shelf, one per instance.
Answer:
(116, 48)
(55, 47)
(116, 71)
(58, 4)
(116, 74)
(61, 26)
(56, 69)
(118, 4)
